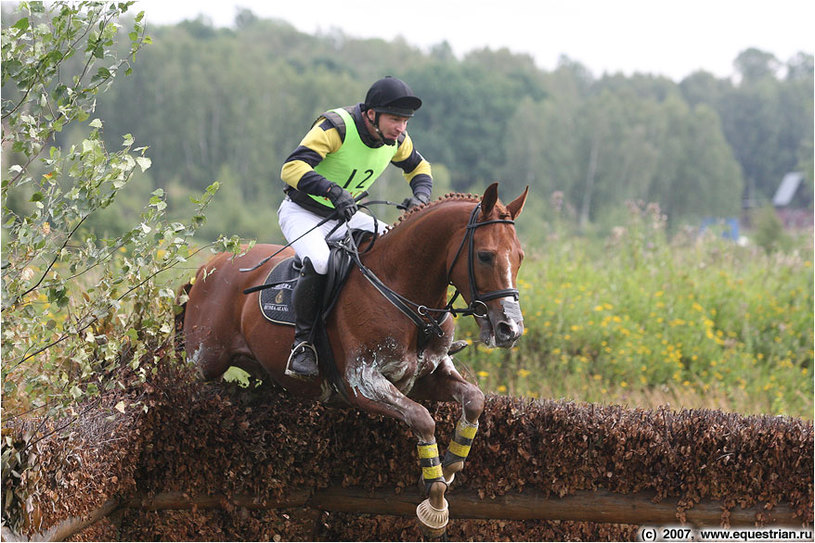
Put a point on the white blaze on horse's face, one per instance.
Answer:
(503, 323)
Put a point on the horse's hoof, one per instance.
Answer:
(457, 346)
(432, 521)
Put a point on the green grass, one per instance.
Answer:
(643, 322)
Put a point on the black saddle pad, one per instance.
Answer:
(275, 301)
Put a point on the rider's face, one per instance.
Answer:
(391, 126)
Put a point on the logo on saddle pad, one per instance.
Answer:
(275, 301)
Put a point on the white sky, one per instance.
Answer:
(665, 37)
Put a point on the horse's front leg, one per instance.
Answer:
(444, 384)
(371, 391)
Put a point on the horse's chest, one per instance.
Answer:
(375, 374)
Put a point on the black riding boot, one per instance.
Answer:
(307, 299)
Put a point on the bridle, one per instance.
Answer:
(476, 298)
(421, 315)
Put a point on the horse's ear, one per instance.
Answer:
(489, 199)
(516, 206)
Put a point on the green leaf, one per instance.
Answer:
(144, 163)
(21, 25)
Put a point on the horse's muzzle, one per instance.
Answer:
(507, 333)
(502, 328)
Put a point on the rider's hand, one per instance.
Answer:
(415, 200)
(343, 202)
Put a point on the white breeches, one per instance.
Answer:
(296, 221)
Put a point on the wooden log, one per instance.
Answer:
(182, 500)
(590, 506)
(585, 506)
(73, 525)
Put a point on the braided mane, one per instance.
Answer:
(450, 196)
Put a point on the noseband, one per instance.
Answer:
(477, 300)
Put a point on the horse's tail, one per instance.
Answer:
(181, 308)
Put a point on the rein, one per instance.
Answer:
(424, 322)
(420, 316)
(331, 217)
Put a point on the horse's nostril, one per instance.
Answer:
(505, 331)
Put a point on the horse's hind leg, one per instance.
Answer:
(214, 349)
(210, 358)
(444, 384)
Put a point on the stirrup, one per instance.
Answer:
(291, 373)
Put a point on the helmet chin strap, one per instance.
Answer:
(375, 124)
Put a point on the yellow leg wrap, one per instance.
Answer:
(458, 449)
(465, 429)
(428, 450)
(462, 441)
(430, 463)
(432, 473)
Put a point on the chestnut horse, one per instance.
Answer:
(383, 358)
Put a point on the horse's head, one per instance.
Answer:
(486, 265)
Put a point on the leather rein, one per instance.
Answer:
(421, 315)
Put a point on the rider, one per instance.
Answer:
(345, 151)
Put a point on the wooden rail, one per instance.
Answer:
(584, 506)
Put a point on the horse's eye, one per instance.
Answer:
(485, 257)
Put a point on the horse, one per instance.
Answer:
(390, 331)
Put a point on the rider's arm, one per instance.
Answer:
(298, 169)
(415, 167)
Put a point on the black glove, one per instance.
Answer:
(415, 200)
(343, 202)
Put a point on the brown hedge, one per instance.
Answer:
(177, 434)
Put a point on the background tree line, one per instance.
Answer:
(229, 104)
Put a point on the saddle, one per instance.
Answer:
(276, 292)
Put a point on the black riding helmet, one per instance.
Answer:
(392, 95)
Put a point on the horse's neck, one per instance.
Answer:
(413, 256)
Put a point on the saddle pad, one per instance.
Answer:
(275, 302)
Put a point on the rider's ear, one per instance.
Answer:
(516, 206)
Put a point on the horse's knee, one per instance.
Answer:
(473, 404)
(423, 426)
